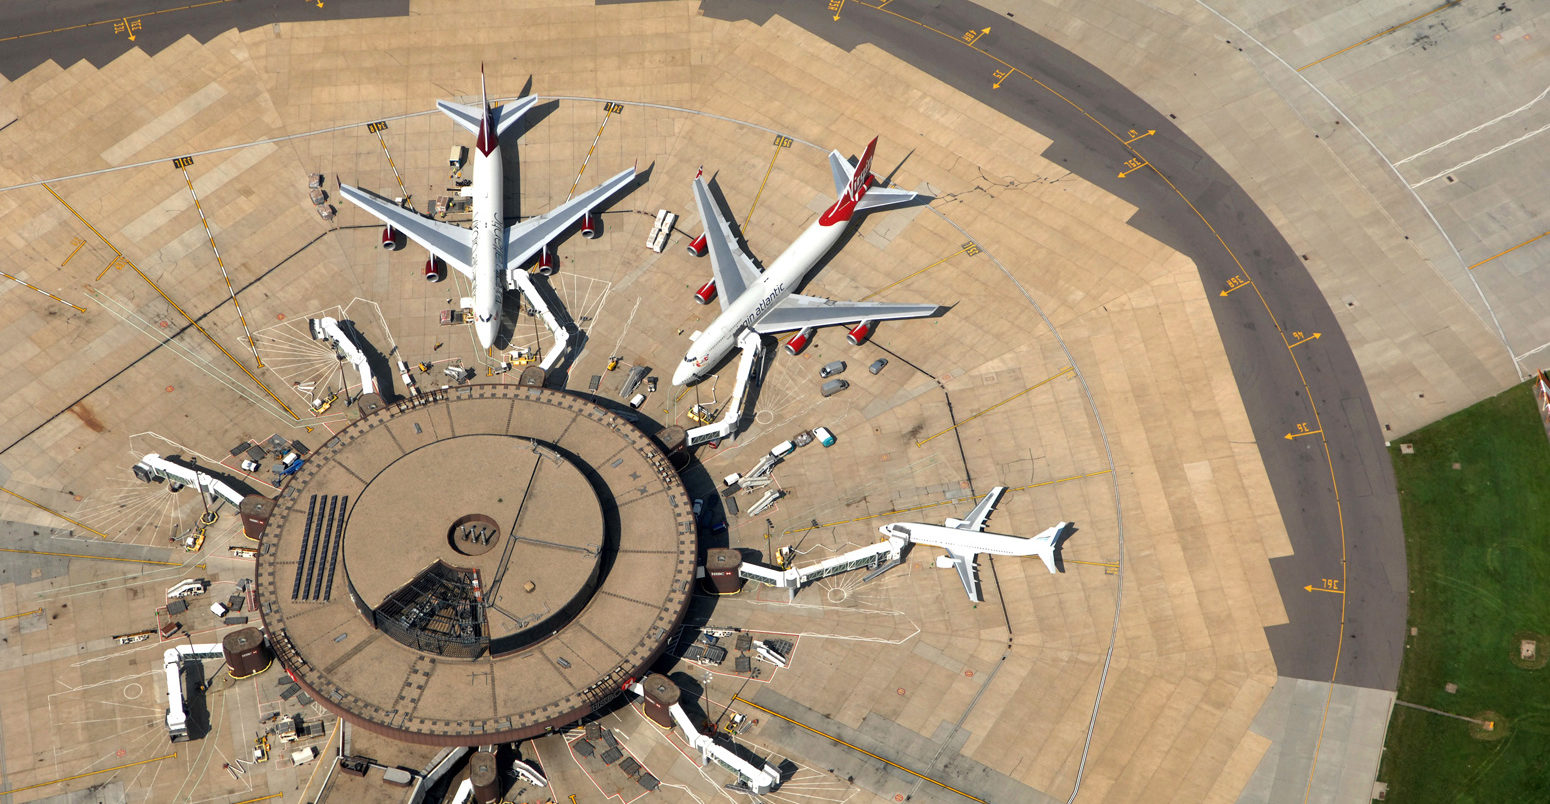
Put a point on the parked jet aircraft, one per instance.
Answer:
(964, 539)
(490, 247)
(763, 301)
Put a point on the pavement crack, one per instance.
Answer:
(988, 186)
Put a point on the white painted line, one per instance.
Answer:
(1466, 163)
(1482, 126)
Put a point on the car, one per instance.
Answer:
(831, 369)
(824, 435)
(877, 365)
(699, 505)
(783, 449)
(249, 465)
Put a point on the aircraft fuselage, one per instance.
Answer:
(489, 241)
(963, 540)
(774, 284)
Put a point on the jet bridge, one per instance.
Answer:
(154, 466)
(879, 557)
(172, 664)
(758, 781)
(328, 329)
(750, 344)
(521, 281)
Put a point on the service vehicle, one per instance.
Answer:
(783, 449)
(831, 369)
(833, 387)
(192, 586)
(824, 435)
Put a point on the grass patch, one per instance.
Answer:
(1478, 542)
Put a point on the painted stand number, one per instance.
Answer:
(182, 162)
(971, 248)
(835, 5)
(613, 108)
(1302, 427)
(782, 141)
(377, 127)
(1236, 281)
(1332, 584)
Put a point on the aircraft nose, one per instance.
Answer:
(486, 332)
(683, 373)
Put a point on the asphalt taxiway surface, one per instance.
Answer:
(101, 30)
(1340, 509)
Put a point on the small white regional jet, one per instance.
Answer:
(764, 301)
(490, 247)
(963, 539)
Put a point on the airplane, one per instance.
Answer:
(764, 302)
(490, 247)
(963, 539)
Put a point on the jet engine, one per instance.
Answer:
(433, 269)
(697, 246)
(799, 341)
(588, 226)
(390, 238)
(546, 262)
(706, 292)
(859, 333)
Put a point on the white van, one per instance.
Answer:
(637, 400)
(824, 435)
(783, 449)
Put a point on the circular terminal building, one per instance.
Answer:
(476, 565)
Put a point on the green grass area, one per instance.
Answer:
(1478, 541)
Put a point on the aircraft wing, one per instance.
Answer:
(732, 269)
(967, 572)
(451, 243)
(981, 512)
(797, 311)
(524, 239)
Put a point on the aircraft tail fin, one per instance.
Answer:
(852, 182)
(484, 121)
(489, 138)
(1046, 543)
(862, 178)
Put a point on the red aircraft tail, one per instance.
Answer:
(863, 174)
(489, 140)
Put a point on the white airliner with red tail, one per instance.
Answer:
(763, 302)
(490, 247)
